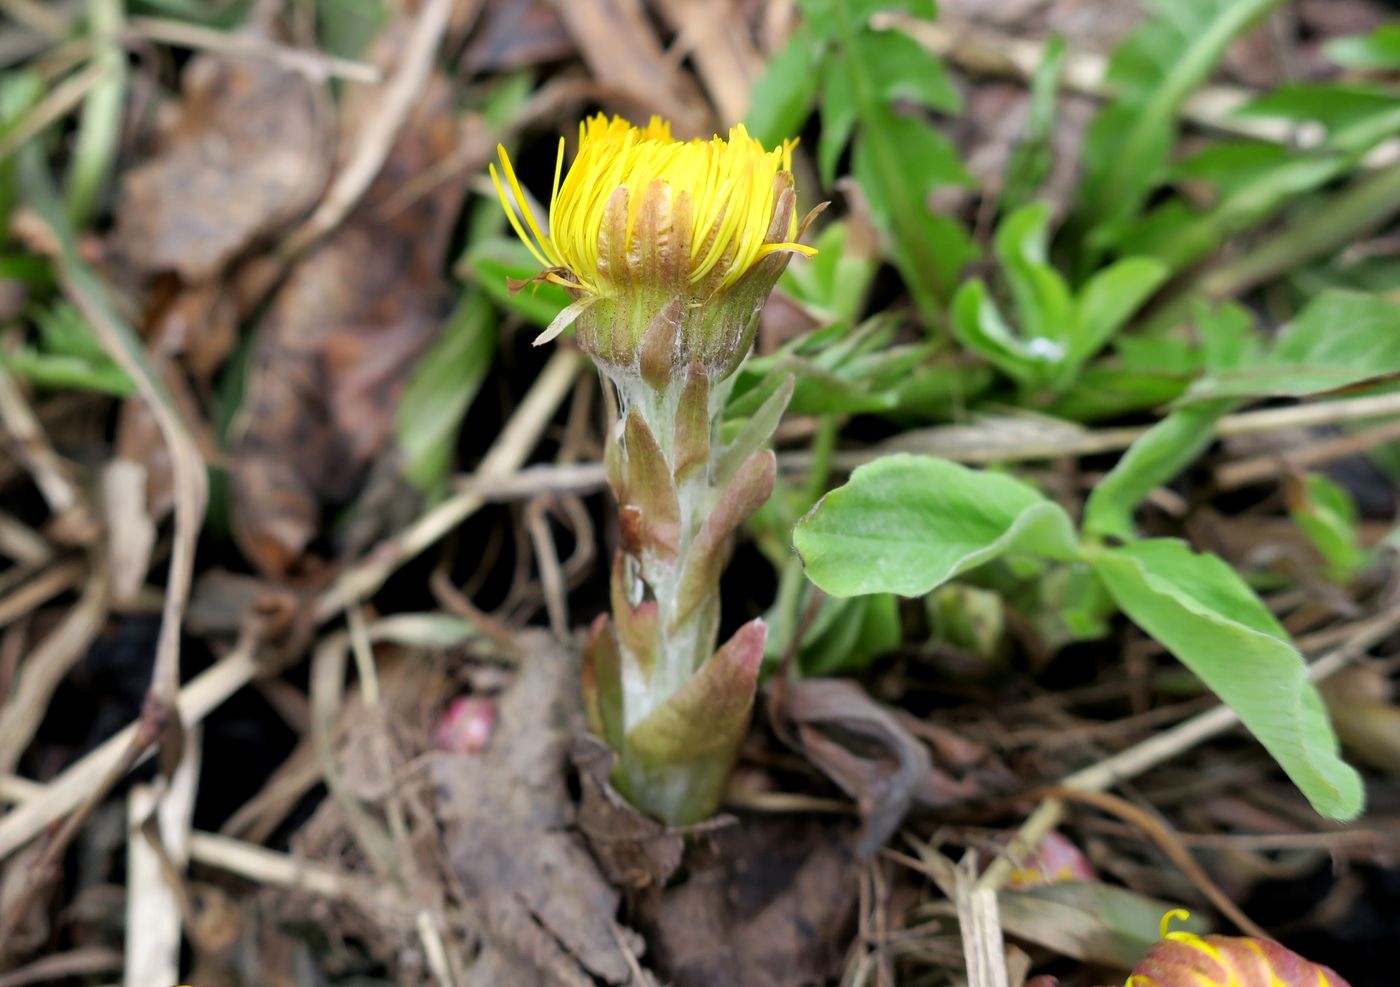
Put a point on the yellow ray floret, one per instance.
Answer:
(720, 200)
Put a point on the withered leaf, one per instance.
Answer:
(337, 344)
(769, 903)
(505, 812)
(247, 155)
(875, 757)
(634, 850)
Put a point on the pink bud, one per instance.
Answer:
(1056, 860)
(467, 725)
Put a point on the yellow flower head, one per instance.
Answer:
(1184, 959)
(637, 203)
(669, 247)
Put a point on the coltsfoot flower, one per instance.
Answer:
(669, 247)
(1184, 959)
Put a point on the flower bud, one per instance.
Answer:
(669, 248)
(1184, 959)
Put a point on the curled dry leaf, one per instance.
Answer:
(874, 756)
(337, 345)
(546, 911)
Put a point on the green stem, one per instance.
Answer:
(1328, 226)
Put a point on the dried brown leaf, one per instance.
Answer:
(505, 813)
(766, 904)
(634, 850)
(625, 55)
(246, 156)
(337, 345)
(874, 755)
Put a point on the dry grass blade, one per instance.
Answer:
(154, 908)
(279, 870)
(131, 531)
(643, 73)
(125, 348)
(374, 142)
(1020, 439)
(67, 792)
(51, 473)
(1169, 844)
(66, 97)
(984, 947)
(989, 52)
(38, 17)
(1256, 469)
(46, 666)
(22, 543)
(505, 457)
(39, 590)
(89, 960)
(717, 37)
(1163, 747)
(315, 65)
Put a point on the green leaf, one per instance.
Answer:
(1327, 515)
(345, 27)
(1154, 71)
(442, 388)
(1144, 372)
(100, 123)
(1334, 106)
(1177, 440)
(1089, 921)
(1378, 51)
(898, 161)
(848, 634)
(1168, 448)
(1255, 184)
(1033, 155)
(978, 324)
(781, 98)
(1340, 340)
(858, 12)
(1108, 300)
(905, 524)
(900, 69)
(496, 261)
(1200, 609)
(754, 433)
(838, 117)
(1043, 302)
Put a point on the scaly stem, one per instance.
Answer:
(673, 707)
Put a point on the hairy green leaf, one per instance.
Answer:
(905, 524)
(1200, 609)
